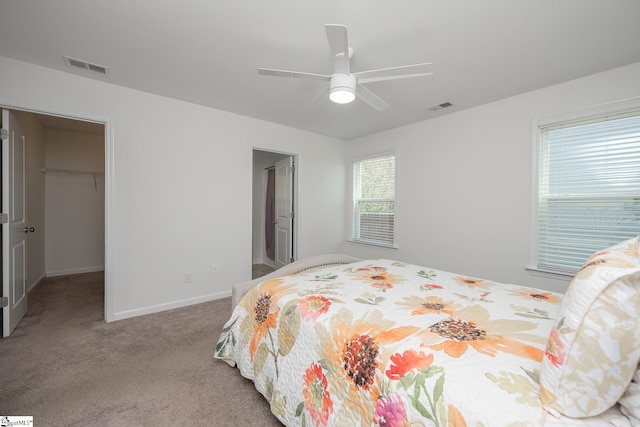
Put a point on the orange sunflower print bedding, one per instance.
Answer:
(385, 343)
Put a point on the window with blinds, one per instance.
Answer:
(374, 188)
(588, 189)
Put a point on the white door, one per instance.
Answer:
(14, 232)
(284, 212)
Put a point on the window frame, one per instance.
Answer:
(628, 105)
(352, 201)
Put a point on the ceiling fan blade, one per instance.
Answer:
(339, 47)
(293, 74)
(370, 98)
(393, 73)
(312, 100)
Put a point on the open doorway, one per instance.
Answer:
(65, 163)
(273, 217)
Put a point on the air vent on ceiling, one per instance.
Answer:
(84, 65)
(440, 106)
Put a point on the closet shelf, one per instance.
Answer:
(76, 172)
(71, 171)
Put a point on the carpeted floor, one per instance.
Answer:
(66, 367)
(259, 270)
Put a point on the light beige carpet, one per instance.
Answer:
(259, 270)
(66, 367)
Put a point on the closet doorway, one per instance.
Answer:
(65, 204)
(274, 206)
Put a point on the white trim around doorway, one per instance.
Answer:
(296, 227)
(109, 292)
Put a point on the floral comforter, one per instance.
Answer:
(385, 343)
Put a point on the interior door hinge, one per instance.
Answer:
(4, 134)
(5, 301)
(293, 215)
(4, 218)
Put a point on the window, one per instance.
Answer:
(374, 188)
(588, 189)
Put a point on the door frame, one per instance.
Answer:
(295, 241)
(109, 292)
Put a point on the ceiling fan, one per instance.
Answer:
(344, 85)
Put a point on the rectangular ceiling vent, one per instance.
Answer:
(440, 106)
(84, 65)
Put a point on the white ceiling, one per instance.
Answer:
(207, 51)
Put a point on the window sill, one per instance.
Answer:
(378, 245)
(550, 274)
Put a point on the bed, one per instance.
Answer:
(337, 341)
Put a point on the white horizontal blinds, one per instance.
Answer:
(374, 200)
(589, 189)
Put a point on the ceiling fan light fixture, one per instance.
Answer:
(342, 88)
(342, 95)
(343, 83)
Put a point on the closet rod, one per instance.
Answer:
(71, 171)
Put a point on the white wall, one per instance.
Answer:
(74, 202)
(181, 192)
(465, 179)
(181, 198)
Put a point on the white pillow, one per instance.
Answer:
(630, 400)
(593, 349)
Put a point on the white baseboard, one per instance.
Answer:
(265, 261)
(75, 271)
(170, 306)
(37, 283)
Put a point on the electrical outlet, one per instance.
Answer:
(214, 268)
(188, 277)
